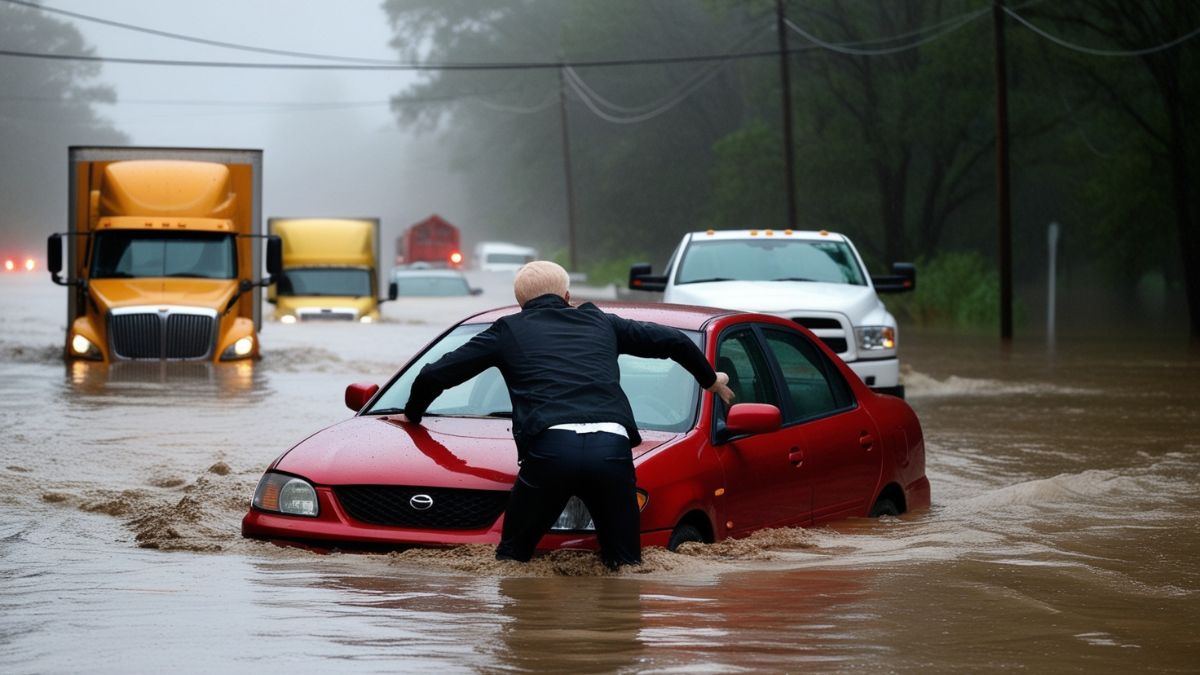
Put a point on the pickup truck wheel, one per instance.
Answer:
(884, 507)
(683, 534)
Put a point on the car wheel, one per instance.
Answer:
(683, 534)
(884, 507)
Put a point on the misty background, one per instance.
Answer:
(893, 114)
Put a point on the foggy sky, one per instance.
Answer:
(348, 159)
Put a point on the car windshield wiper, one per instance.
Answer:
(395, 411)
(793, 279)
(500, 413)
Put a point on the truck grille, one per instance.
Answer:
(452, 509)
(326, 315)
(829, 330)
(161, 335)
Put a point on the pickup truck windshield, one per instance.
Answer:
(662, 393)
(340, 281)
(129, 254)
(770, 260)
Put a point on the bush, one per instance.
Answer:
(957, 289)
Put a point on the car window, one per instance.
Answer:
(740, 357)
(813, 385)
(663, 395)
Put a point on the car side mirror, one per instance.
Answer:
(358, 394)
(752, 418)
(476, 291)
(641, 278)
(902, 279)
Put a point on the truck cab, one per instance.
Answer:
(815, 278)
(330, 270)
(163, 257)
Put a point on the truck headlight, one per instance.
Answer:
(286, 494)
(239, 349)
(875, 338)
(83, 348)
(366, 319)
(287, 318)
(575, 516)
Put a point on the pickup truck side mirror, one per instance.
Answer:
(641, 279)
(902, 279)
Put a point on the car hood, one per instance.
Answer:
(773, 297)
(440, 452)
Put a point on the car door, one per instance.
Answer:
(763, 488)
(836, 439)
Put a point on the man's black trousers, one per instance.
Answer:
(597, 468)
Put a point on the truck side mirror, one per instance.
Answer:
(54, 254)
(393, 291)
(641, 278)
(274, 255)
(902, 279)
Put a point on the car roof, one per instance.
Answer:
(684, 317)
(813, 235)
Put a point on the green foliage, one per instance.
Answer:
(748, 180)
(954, 289)
(614, 270)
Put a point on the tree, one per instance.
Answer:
(46, 106)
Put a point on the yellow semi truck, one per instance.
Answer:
(164, 254)
(330, 270)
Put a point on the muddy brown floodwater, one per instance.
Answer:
(1063, 534)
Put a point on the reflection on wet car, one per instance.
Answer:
(806, 443)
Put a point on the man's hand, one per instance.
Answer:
(721, 388)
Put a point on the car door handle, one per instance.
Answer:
(866, 440)
(796, 457)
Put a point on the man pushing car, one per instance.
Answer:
(572, 423)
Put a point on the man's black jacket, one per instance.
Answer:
(560, 365)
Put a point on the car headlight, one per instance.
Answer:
(239, 349)
(83, 348)
(875, 338)
(286, 494)
(575, 516)
(287, 318)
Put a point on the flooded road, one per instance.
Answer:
(1064, 533)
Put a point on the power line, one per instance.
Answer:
(954, 24)
(1102, 52)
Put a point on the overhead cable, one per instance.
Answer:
(842, 48)
(1102, 52)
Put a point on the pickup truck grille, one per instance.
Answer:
(161, 335)
(828, 329)
(452, 509)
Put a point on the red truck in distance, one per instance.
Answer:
(432, 242)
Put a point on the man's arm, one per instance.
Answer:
(651, 340)
(452, 369)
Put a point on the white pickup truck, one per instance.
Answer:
(816, 279)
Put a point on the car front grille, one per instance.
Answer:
(155, 335)
(452, 509)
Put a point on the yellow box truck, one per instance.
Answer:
(330, 270)
(164, 254)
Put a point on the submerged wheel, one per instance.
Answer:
(683, 534)
(884, 507)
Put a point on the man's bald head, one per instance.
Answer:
(539, 278)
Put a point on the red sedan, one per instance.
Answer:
(806, 442)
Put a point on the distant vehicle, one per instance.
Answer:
(815, 278)
(431, 282)
(330, 270)
(164, 254)
(806, 443)
(499, 256)
(432, 241)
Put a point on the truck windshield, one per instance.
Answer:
(129, 254)
(663, 395)
(770, 260)
(341, 281)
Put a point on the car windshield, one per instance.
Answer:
(662, 393)
(339, 281)
(127, 254)
(508, 258)
(770, 260)
(432, 285)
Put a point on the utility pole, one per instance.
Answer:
(566, 151)
(1003, 210)
(789, 162)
